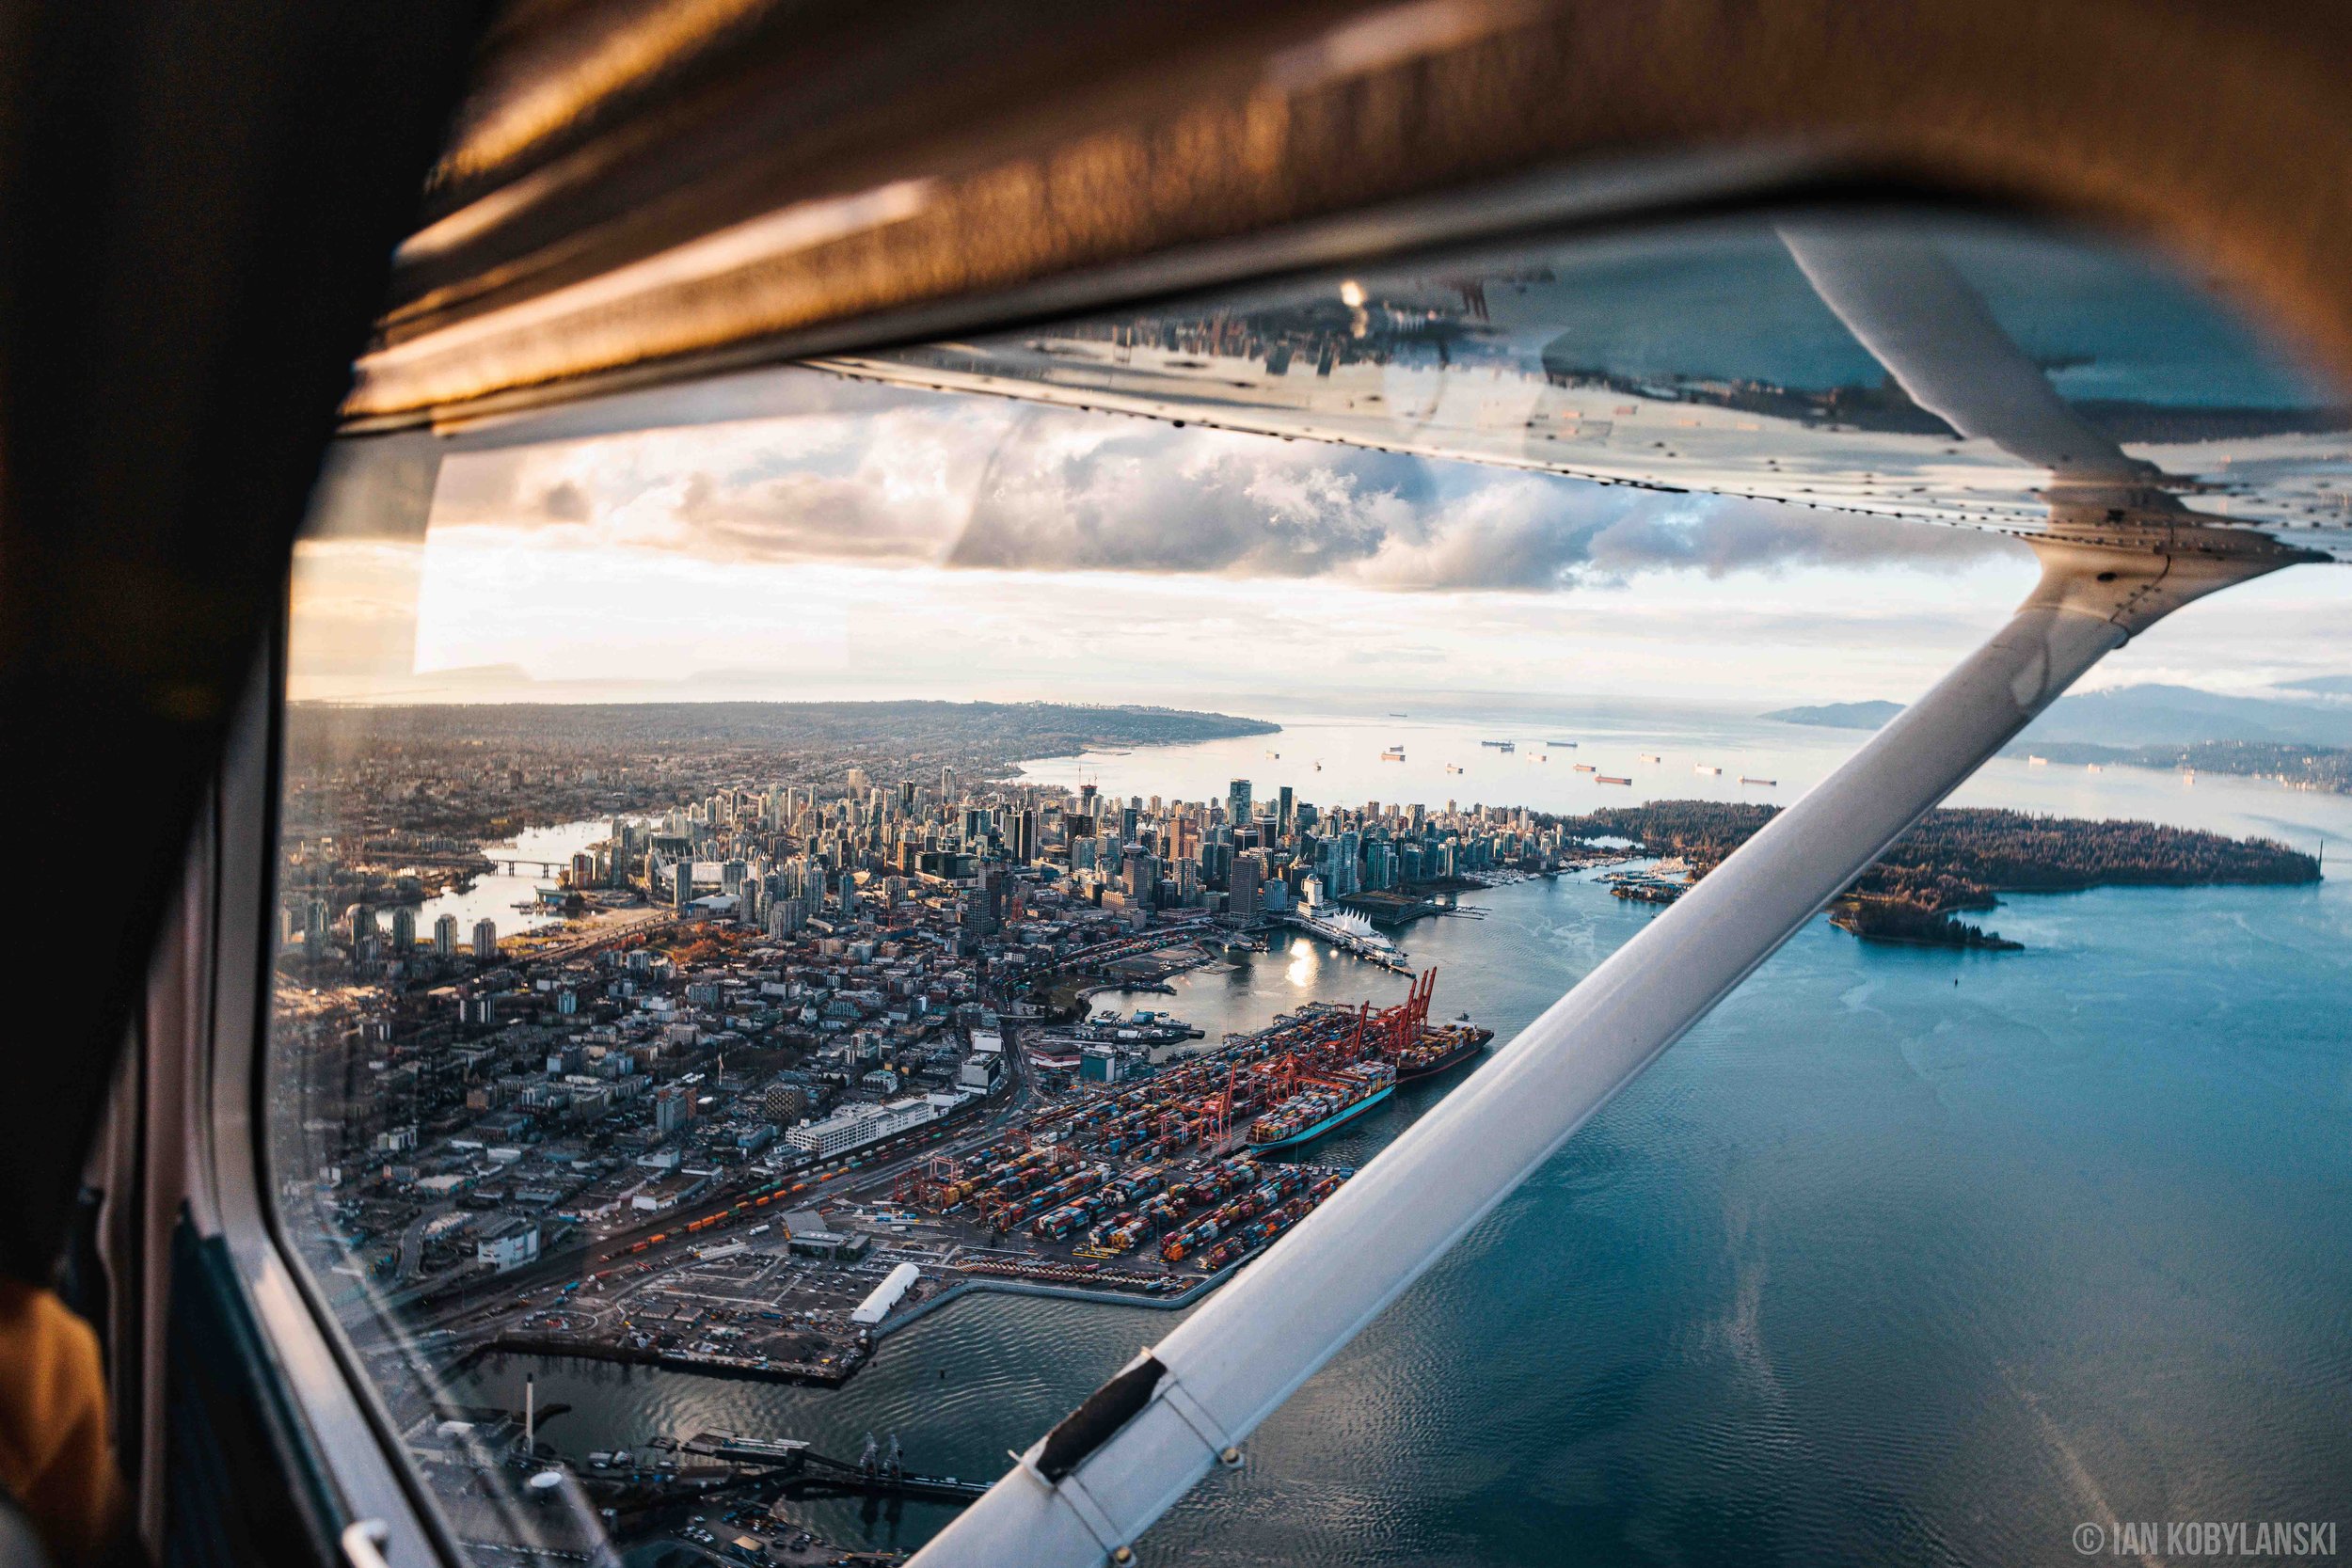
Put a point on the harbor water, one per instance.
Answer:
(1903, 1254)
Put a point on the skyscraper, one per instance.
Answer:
(1242, 885)
(445, 936)
(1237, 800)
(404, 933)
(1141, 875)
(485, 940)
(682, 886)
(1284, 811)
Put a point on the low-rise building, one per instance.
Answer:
(508, 1245)
(855, 1126)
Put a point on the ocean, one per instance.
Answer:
(1902, 1254)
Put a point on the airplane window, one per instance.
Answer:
(819, 910)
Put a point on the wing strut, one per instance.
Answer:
(1184, 1405)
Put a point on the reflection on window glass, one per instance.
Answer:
(815, 910)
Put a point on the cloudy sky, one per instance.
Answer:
(876, 542)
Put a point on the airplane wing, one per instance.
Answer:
(1962, 373)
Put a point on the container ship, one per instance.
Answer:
(1404, 1036)
(1586, 768)
(1332, 1103)
(1603, 778)
(1441, 1050)
(1395, 753)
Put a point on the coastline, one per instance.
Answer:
(1762, 1067)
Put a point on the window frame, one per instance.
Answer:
(229, 951)
(234, 865)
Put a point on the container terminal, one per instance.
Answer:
(1124, 1180)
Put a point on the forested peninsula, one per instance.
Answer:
(1958, 860)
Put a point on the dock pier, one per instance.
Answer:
(880, 1471)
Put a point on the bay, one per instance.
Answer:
(1872, 1266)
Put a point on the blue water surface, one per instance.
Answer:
(1903, 1256)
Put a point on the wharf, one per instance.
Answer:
(1376, 950)
(803, 1374)
(805, 1470)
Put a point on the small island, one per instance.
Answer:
(1959, 859)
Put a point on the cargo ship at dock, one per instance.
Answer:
(1329, 1105)
(1441, 1050)
(1413, 1047)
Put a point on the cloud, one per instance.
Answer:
(1721, 535)
(567, 502)
(1060, 495)
(975, 484)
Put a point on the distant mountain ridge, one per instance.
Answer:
(1840, 715)
(2149, 715)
